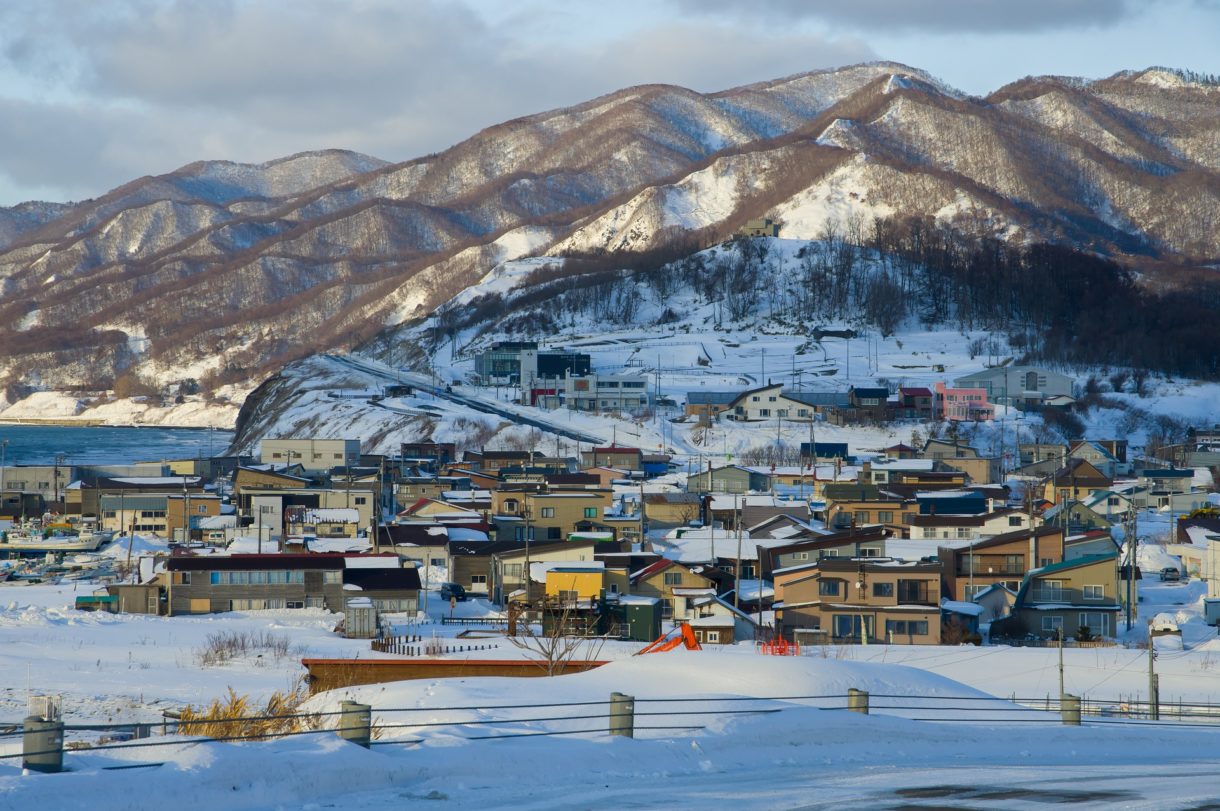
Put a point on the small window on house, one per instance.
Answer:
(1051, 625)
(673, 578)
(800, 556)
(548, 512)
(478, 580)
(330, 578)
(590, 512)
(361, 500)
(1094, 592)
(713, 636)
(883, 589)
(870, 552)
(1014, 520)
(828, 588)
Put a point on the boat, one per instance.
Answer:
(36, 538)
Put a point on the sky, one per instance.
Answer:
(94, 93)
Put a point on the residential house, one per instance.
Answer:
(208, 584)
(968, 527)
(438, 454)
(784, 555)
(719, 623)
(996, 601)
(863, 600)
(666, 577)
(707, 406)
(335, 522)
(773, 401)
(1099, 456)
(914, 403)
(613, 456)
(962, 403)
(672, 509)
(858, 505)
(549, 515)
(761, 227)
(569, 585)
(1002, 559)
(1075, 481)
(313, 455)
(511, 567)
(1019, 386)
(728, 479)
(1031, 452)
(865, 404)
(1075, 517)
(1063, 598)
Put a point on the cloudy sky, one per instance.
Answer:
(96, 92)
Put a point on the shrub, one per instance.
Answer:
(234, 716)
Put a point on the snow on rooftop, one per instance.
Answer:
(372, 562)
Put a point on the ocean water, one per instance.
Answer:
(40, 444)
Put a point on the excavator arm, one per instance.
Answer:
(681, 635)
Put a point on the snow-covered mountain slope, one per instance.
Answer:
(230, 271)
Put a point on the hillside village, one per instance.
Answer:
(935, 543)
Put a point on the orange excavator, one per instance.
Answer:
(681, 635)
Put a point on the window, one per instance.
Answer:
(186, 578)
(1014, 520)
(548, 512)
(1094, 592)
(1098, 623)
(590, 512)
(1051, 625)
(912, 591)
(568, 597)
(554, 533)
(852, 626)
(800, 556)
(202, 509)
(885, 517)
(764, 412)
(828, 588)
(332, 577)
(870, 552)
(437, 561)
(906, 627)
(964, 532)
(883, 589)
(478, 580)
(296, 603)
(860, 516)
(673, 578)
(510, 505)
(512, 571)
(1051, 591)
(747, 571)
(361, 499)
(713, 636)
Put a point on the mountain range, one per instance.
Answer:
(220, 273)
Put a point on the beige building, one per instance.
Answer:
(548, 516)
(863, 600)
(311, 454)
(1065, 597)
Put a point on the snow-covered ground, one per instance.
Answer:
(124, 668)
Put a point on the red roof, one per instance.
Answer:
(915, 392)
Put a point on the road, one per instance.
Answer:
(424, 383)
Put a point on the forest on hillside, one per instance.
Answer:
(1052, 303)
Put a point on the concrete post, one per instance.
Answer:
(1069, 709)
(622, 715)
(355, 723)
(43, 745)
(857, 700)
(1154, 700)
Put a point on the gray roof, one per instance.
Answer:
(711, 397)
(817, 398)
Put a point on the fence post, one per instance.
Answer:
(1154, 699)
(857, 700)
(1069, 709)
(355, 723)
(42, 745)
(622, 715)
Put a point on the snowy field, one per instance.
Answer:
(131, 668)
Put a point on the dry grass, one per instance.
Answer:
(235, 716)
(223, 646)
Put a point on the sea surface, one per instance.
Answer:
(40, 444)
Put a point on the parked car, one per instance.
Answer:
(1171, 573)
(452, 591)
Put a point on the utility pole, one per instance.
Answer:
(1154, 687)
(737, 569)
(1061, 690)
(1132, 544)
(711, 508)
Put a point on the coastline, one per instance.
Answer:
(91, 422)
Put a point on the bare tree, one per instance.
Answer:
(551, 644)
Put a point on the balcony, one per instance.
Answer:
(1045, 595)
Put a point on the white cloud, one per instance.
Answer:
(108, 92)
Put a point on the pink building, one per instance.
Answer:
(962, 404)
